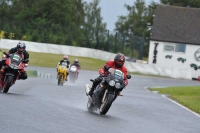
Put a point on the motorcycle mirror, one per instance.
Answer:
(25, 61)
(128, 76)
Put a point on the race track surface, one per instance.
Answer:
(39, 105)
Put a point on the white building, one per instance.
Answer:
(175, 40)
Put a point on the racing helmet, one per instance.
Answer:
(76, 61)
(119, 60)
(65, 57)
(21, 47)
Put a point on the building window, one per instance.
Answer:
(180, 48)
(168, 47)
(175, 48)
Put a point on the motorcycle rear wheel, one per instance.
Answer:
(7, 84)
(105, 106)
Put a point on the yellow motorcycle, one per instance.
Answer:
(62, 74)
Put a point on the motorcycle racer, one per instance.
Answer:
(117, 63)
(21, 50)
(64, 62)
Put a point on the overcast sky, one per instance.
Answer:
(111, 9)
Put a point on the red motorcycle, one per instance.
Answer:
(10, 70)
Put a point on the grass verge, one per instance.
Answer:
(31, 73)
(51, 60)
(188, 96)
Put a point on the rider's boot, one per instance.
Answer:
(92, 88)
(120, 94)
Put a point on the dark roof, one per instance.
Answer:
(176, 24)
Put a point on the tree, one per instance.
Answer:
(94, 27)
(132, 27)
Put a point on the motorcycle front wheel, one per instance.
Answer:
(60, 79)
(105, 105)
(7, 84)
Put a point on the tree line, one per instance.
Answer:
(79, 23)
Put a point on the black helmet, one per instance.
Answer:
(119, 60)
(76, 61)
(21, 47)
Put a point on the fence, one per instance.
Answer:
(129, 44)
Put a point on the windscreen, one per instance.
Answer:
(117, 73)
(64, 65)
(15, 59)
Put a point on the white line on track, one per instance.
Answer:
(173, 101)
(181, 106)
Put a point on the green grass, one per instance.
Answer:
(31, 73)
(187, 96)
(51, 60)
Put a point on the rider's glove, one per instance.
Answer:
(101, 72)
(25, 65)
(4, 56)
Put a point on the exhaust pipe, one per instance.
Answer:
(87, 89)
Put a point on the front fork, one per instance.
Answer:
(104, 95)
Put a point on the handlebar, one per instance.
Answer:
(6, 54)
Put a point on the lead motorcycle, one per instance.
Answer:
(10, 70)
(106, 92)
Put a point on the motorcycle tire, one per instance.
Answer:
(105, 106)
(59, 79)
(7, 84)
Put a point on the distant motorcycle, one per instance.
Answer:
(73, 73)
(106, 92)
(11, 70)
(61, 74)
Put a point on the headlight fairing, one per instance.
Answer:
(118, 85)
(112, 83)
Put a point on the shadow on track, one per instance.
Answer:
(12, 94)
(107, 116)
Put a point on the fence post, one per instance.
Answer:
(68, 37)
(141, 47)
(123, 42)
(115, 49)
(107, 41)
(133, 46)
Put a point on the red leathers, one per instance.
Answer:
(111, 64)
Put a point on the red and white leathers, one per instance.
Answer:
(111, 64)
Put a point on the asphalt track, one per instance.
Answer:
(39, 105)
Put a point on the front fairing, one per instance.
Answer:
(117, 77)
(62, 69)
(73, 68)
(14, 61)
